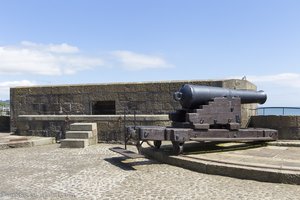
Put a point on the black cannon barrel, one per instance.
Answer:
(192, 96)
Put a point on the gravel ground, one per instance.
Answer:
(49, 172)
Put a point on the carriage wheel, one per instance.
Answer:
(177, 147)
(157, 143)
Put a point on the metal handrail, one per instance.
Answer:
(283, 110)
(4, 111)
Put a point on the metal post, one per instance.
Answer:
(125, 131)
(134, 118)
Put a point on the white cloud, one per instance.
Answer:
(63, 48)
(4, 87)
(284, 79)
(16, 83)
(44, 59)
(58, 59)
(55, 48)
(134, 61)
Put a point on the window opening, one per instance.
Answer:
(104, 108)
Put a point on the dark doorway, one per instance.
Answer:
(104, 108)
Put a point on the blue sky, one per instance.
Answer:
(99, 41)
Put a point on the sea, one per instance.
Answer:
(278, 111)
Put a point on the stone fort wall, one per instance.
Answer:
(288, 126)
(151, 98)
(4, 124)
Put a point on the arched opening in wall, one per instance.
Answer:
(104, 108)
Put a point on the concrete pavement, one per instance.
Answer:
(50, 172)
(279, 164)
(8, 140)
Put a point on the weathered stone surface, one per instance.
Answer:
(287, 126)
(79, 134)
(50, 172)
(150, 98)
(74, 143)
(270, 164)
(4, 124)
(79, 131)
(83, 126)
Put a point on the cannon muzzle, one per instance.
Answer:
(192, 96)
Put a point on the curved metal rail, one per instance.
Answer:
(277, 111)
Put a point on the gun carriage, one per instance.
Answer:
(208, 114)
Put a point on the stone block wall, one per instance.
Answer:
(4, 123)
(152, 98)
(110, 127)
(288, 126)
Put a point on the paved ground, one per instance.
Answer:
(49, 172)
(273, 157)
(8, 140)
(276, 164)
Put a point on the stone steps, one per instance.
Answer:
(80, 135)
(83, 127)
(74, 143)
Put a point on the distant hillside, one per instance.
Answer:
(4, 103)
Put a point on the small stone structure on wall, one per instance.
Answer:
(47, 110)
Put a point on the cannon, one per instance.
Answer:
(208, 114)
(193, 96)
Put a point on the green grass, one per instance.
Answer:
(4, 104)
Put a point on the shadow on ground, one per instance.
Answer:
(128, 164)
(212, 147)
